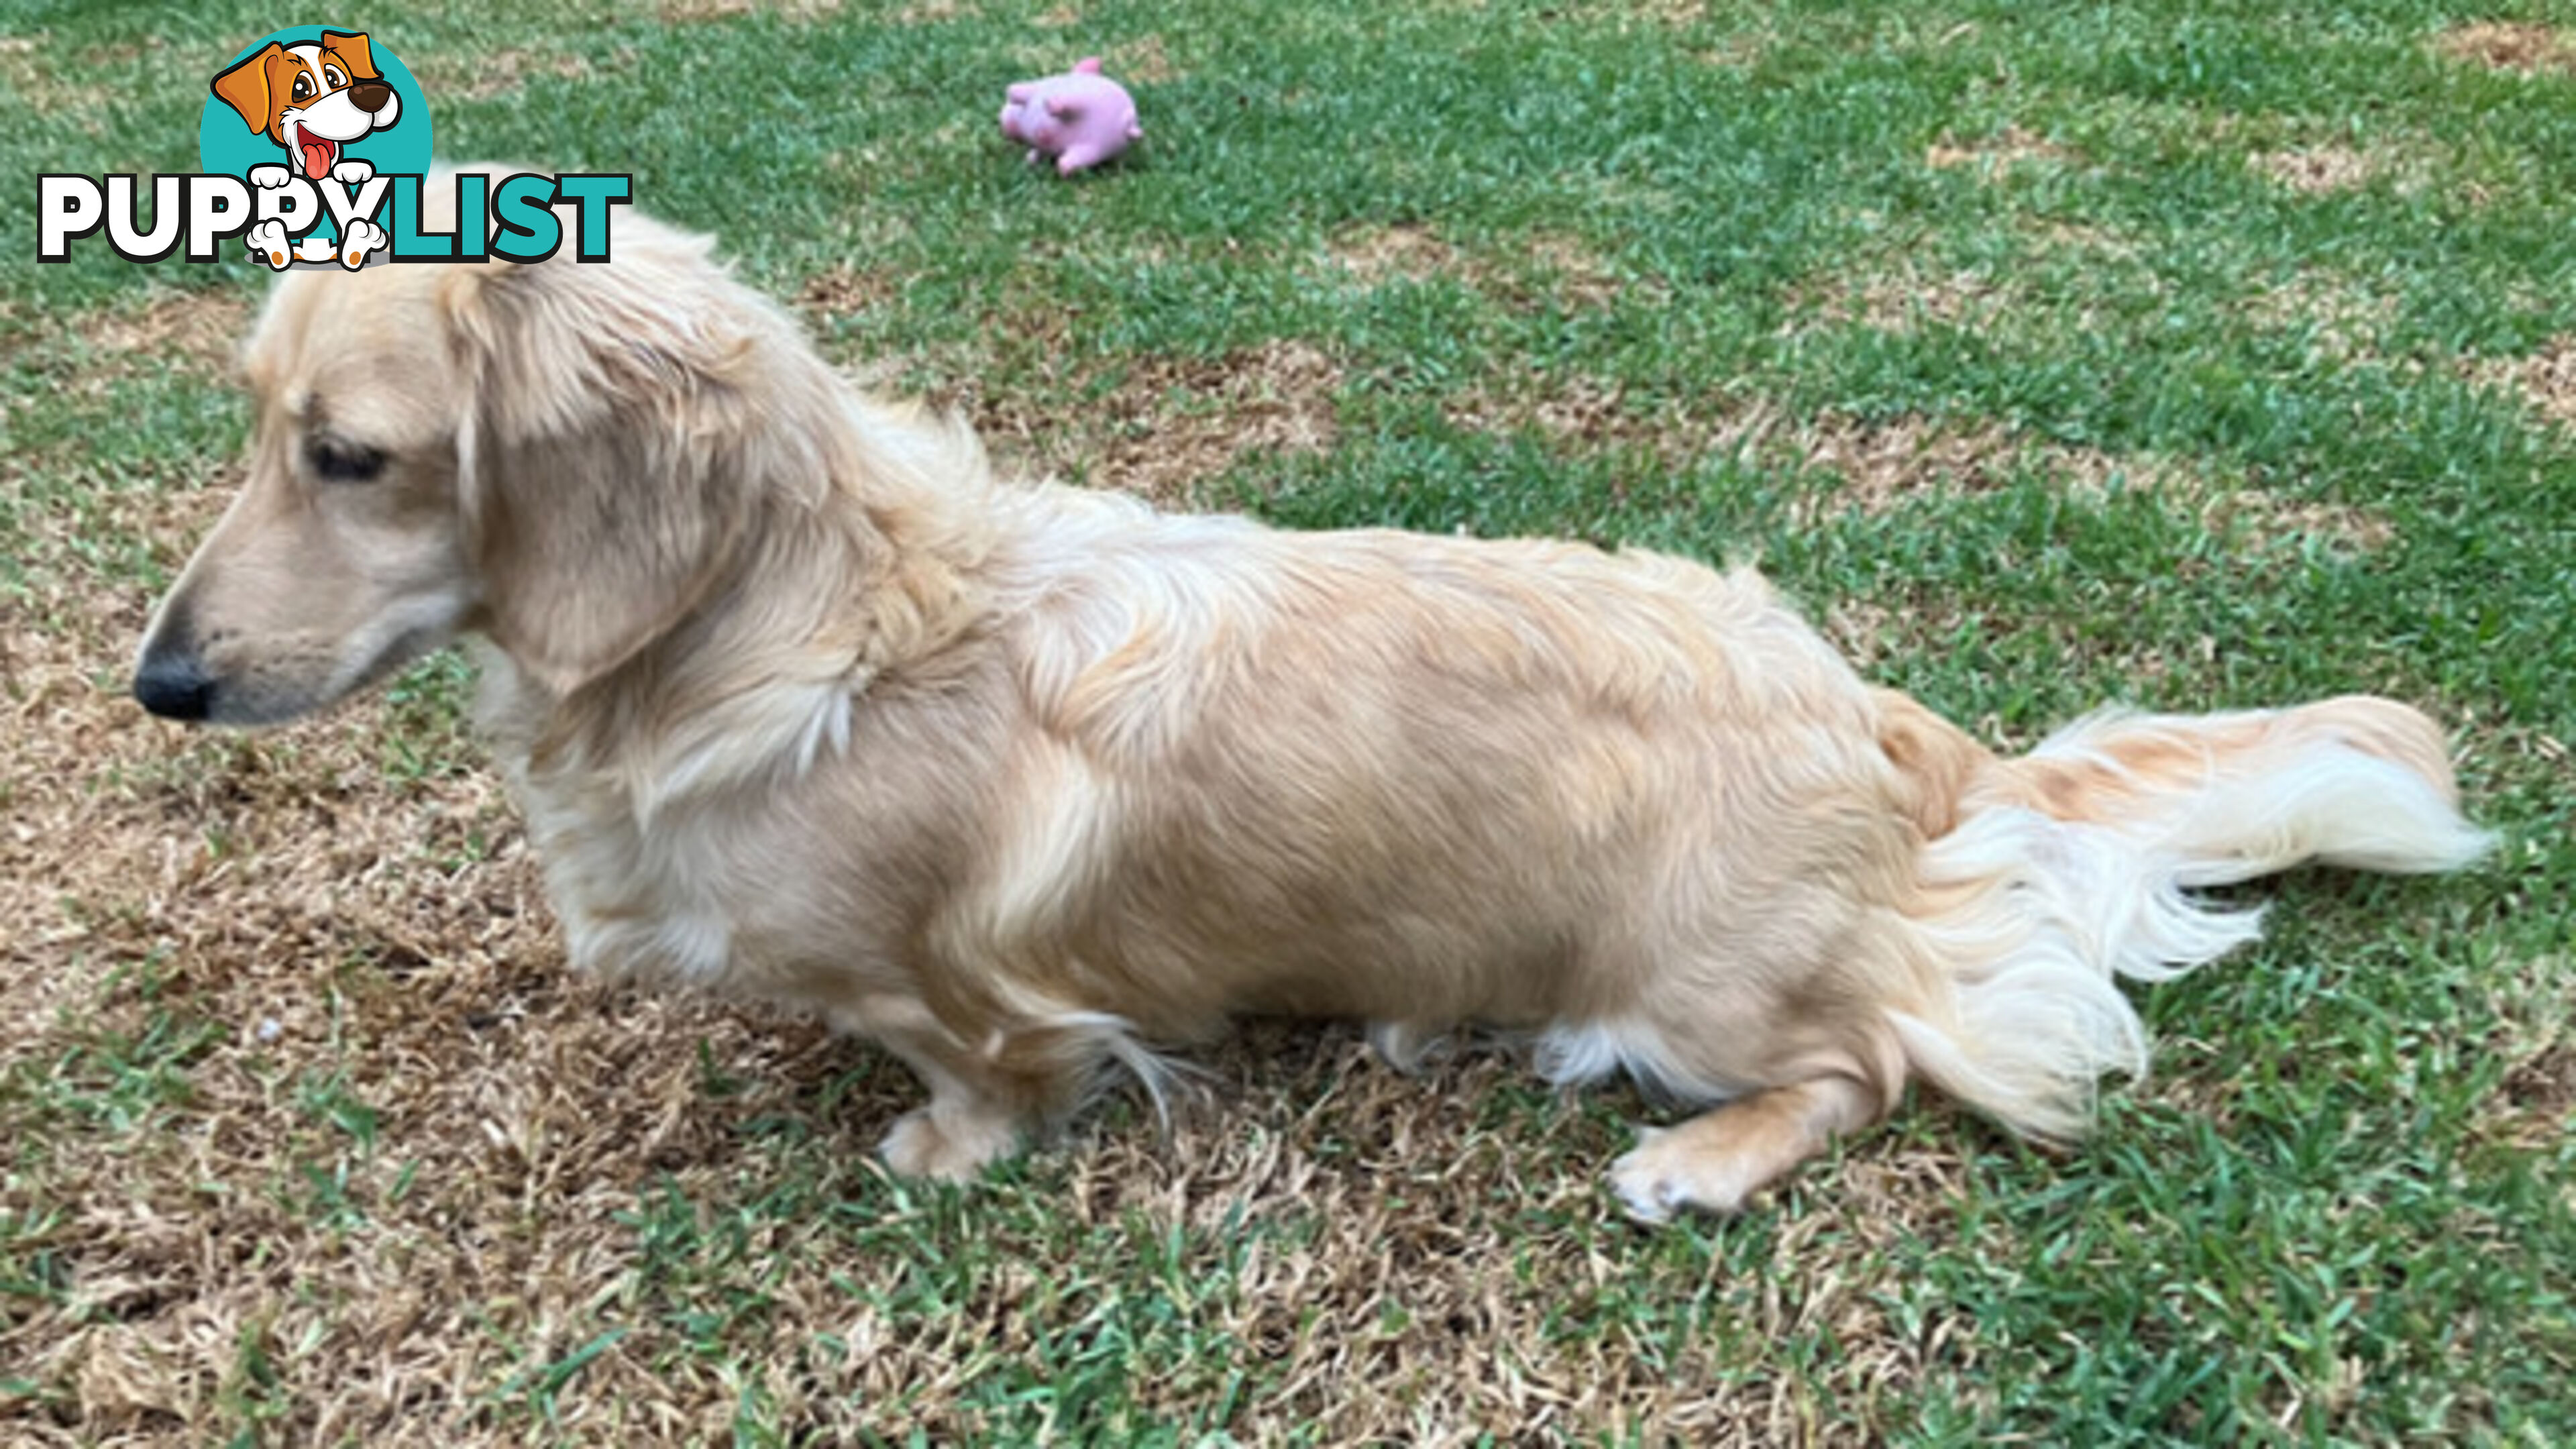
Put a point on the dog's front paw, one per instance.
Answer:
(1668, 1174)
(267, 243)
(270, 178)
(353, 172)
(947, 1148)
(357, 239)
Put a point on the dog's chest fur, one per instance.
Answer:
(654, 860)
(737, 845)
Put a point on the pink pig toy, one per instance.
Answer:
(1081, 119)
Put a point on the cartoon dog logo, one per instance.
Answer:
(312, 99)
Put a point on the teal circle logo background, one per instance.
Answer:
(225, 144)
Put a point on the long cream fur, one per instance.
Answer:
(1026, 782)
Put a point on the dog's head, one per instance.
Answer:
(559, 456)
(311, 99)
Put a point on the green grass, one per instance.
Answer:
(2342, 1210)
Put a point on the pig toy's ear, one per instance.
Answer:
(1060, 108)
(1018, 92)
(1088, 65)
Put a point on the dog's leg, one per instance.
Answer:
(1409, 1046)
(1717, 1160)
(964, 1128)
(981, 1100)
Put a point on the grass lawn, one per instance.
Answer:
(2197, 355)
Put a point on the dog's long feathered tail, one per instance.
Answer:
(2046, 878)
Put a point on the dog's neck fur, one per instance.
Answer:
(854, 580)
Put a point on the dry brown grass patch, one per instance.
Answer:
(1906, 297)
(1559, 269)
(1861, 630)
(2534, 1105)
(1573, 272)
(1736, 52)
(197, 330)
(2268, 517)
(51, 91)
(844, 290)
(1408, 250)
(1143, 61)
(1520, 270)
(2545, 380)
(1589, 415)
(2319, 170)
(2340, 317)
(2107, 242)
(2522, 47)
(1172, 424)
(1883, 464)
(1664, 14)
(2539, 1098)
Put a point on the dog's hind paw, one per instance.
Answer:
(1667, 1174)
(950, 1146)
(1717, 1161)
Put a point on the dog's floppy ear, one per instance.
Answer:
(351, 47)
(602, 457)
(245, 86)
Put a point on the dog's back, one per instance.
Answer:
(1415, 779)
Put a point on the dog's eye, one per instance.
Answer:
(343, 462)
(334, 77)
(303, 89)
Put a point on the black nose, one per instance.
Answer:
(173, 685)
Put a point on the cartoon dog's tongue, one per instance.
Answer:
(319, 153)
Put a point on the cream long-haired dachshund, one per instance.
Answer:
(1024, 781)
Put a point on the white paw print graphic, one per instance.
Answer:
(359, 238)
(267, 242)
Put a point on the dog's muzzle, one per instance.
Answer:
(171, 681)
